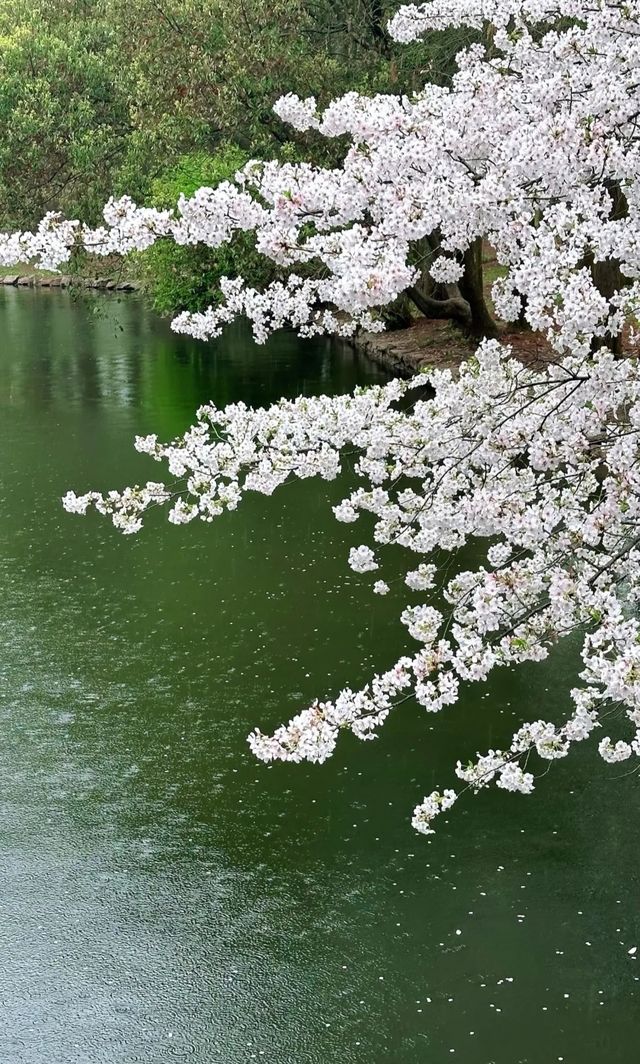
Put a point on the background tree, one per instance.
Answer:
(180, 277)
(102, 95)
(64, 108)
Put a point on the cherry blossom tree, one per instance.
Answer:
(535, 148)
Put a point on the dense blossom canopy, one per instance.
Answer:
(535, 147)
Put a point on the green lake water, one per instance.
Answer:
(165, 897)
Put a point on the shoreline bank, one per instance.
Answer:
(57, 280)
(402, 352)
(440, 345)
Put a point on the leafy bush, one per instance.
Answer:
(187, 278)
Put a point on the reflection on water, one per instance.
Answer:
(162, 896)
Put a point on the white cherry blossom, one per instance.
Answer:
(534, 473)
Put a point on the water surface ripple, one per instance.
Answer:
(162, 896)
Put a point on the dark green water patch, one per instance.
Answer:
(165, 897)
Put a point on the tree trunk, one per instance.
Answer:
(437, 300)
(464, 302)
(607, 276)
(608, 279)
(471, 286)
(458, 309)
(521, 322)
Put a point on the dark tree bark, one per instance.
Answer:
(607, 275)
(608, 279)
(522, 322)
(432, 299)
(463, 303)
(457, 309)
(471, 286)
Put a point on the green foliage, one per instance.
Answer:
(101, 97)
(210, 70)
(187, 278)
(64, 116)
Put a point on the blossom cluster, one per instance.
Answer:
(535, 147)
(541, 467)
